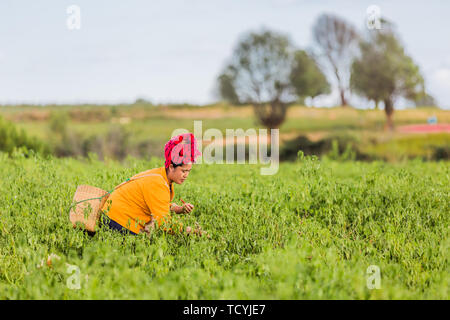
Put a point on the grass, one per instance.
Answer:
(308, 232)
(410, 146)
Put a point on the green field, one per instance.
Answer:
(142, 130)
(308, 232)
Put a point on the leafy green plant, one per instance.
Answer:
(11, 138)
(309, 232)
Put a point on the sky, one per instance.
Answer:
(173, 51)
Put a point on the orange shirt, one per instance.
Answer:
(134, 203)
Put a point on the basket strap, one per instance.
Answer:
(145, 175)
(126, 181)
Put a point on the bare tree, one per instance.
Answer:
(337, 41)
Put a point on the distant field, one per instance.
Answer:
(146, 123)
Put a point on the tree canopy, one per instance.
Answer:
(306, 77)
(384, 72)
(266, 71)
(259, 73)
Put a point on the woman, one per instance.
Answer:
(137, 204)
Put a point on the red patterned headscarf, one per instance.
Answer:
(181, 149)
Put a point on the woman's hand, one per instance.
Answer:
(187, 208)
(149, 227)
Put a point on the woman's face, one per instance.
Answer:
(180, 173)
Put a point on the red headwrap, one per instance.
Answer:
(181, 149)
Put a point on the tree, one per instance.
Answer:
(384, 71)
(425, 100)
(337, 41)
(226, 86)
(259, 73)
(306, 77)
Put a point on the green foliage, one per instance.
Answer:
(306, 77)
(441, 153)
(384, 71)
(115, 143)
(260, 66)
(149, 128)
(347, 154)
(227, 91)
(427, 147)
(259, 74)
(425, 99)
(309, 232)
(58, 122)
(342, 148)
(12, 139)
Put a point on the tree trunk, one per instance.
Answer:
(271, 115)
(343, 99)
(377, 104)
(389, 110)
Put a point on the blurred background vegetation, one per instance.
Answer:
(141, 130)
(264, 84)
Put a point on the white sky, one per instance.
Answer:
(172, 51)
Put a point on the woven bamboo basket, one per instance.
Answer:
(87, 212)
